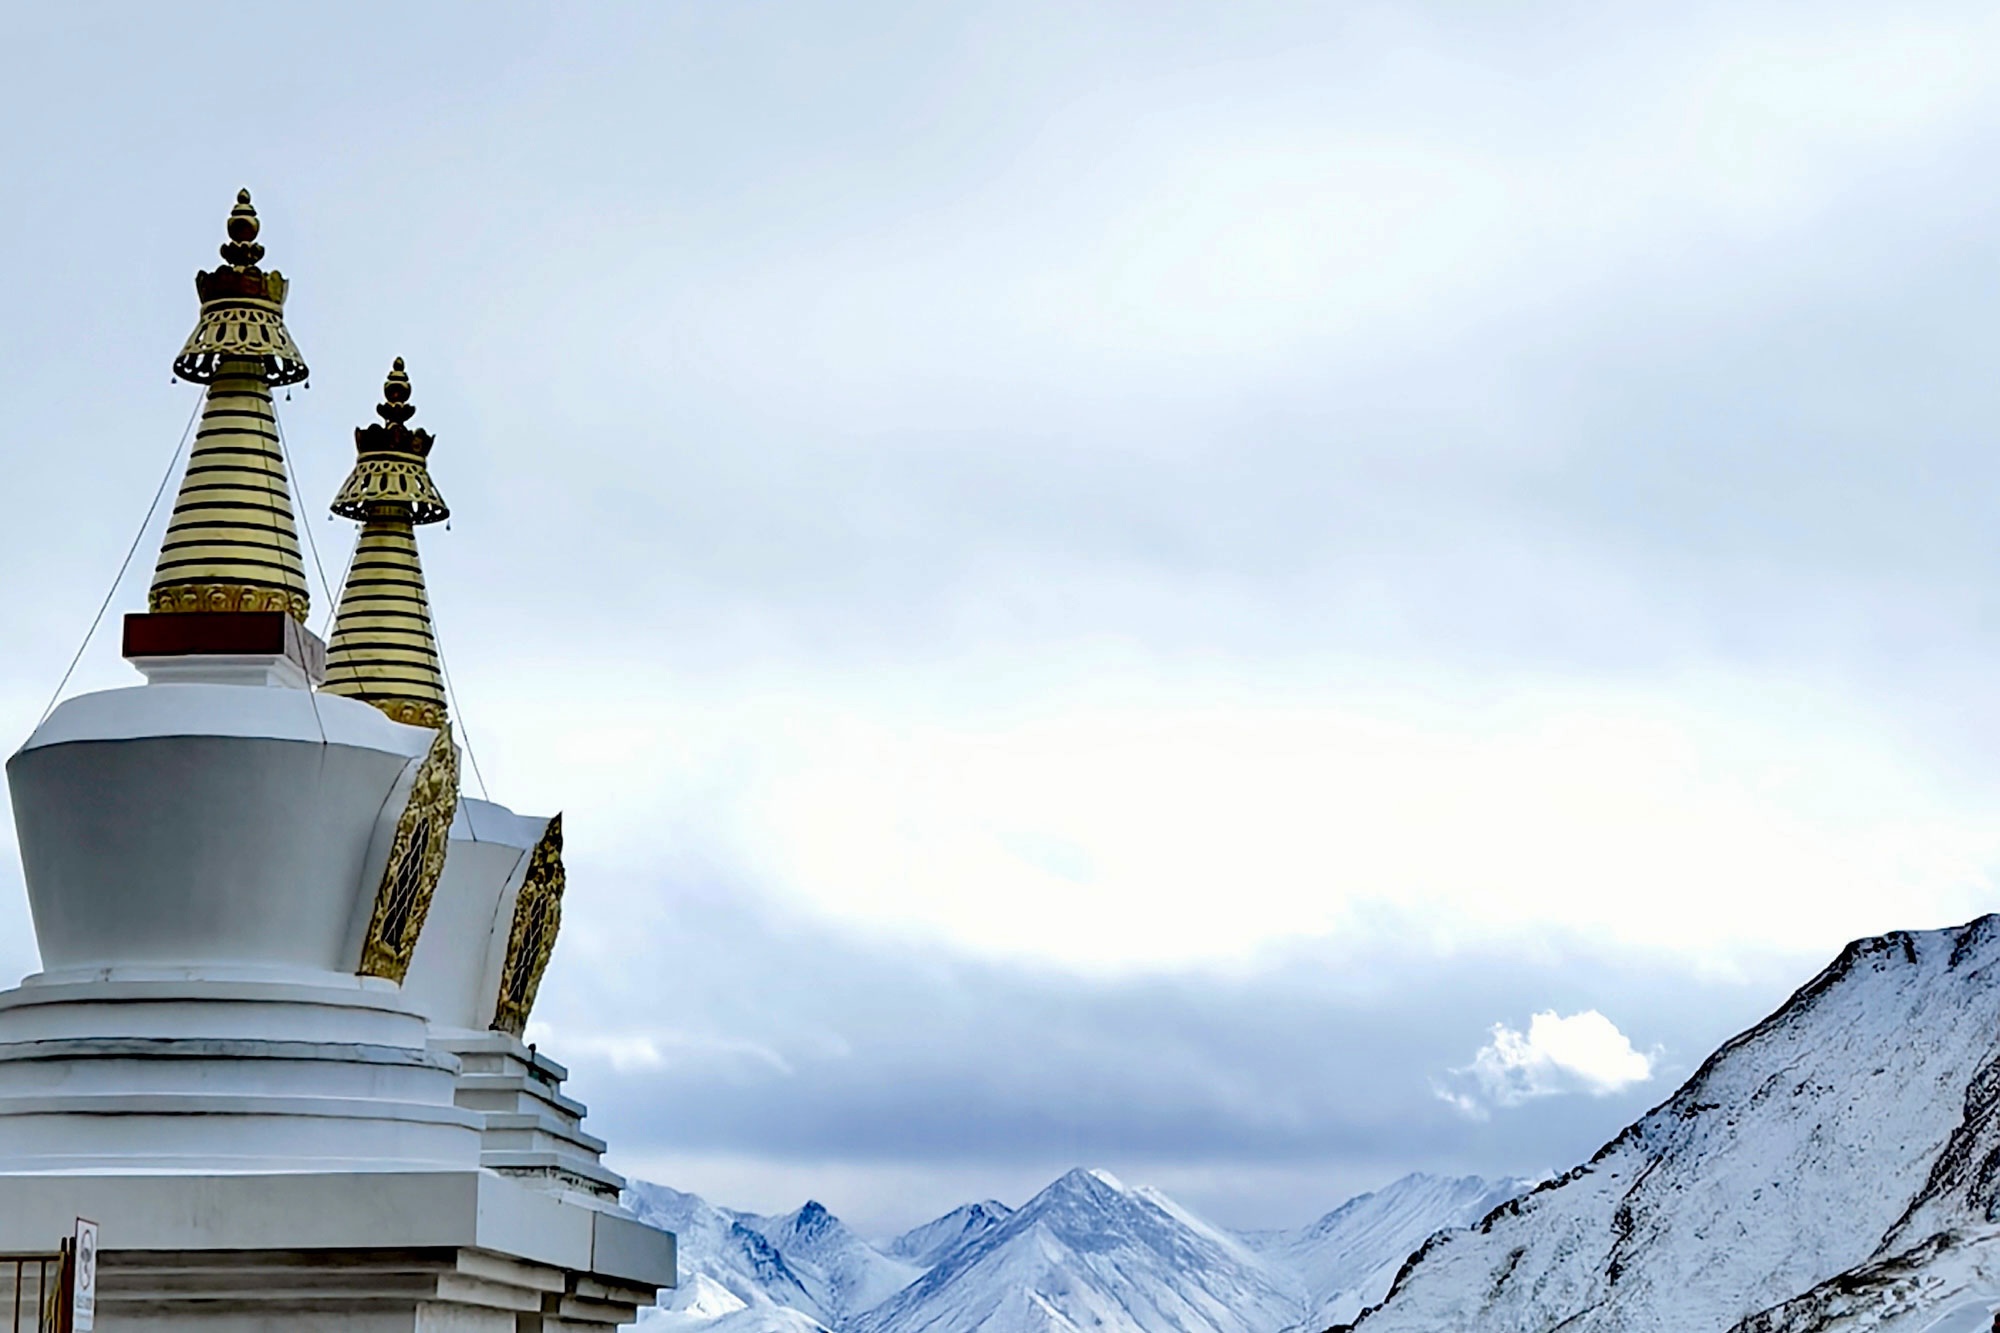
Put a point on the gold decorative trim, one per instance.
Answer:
(396, 481)
(411, 712)
(175, 597)
(416, 860)
(537, 917)
(242, 329)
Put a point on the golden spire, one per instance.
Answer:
(382, 651)
(231, 544)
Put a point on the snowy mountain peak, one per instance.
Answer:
(1456, 1193)
(843, 1273)
(1348, 1257)
(737, 1262)
(935, 1241)
(1081, 1187)
(810, 1221)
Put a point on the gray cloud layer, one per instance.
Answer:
(747, 1029)
(811, 334)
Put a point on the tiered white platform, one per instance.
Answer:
(195, 1072)
(398, 1250)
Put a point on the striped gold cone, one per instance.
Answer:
(383, 652)
(231, 544)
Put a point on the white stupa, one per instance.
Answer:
(274, 1050)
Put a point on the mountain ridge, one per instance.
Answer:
(1086, 1251)
(1834, 1168)
(1822, 1150)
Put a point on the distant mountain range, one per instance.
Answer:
(1088, 1252)
(1835, 1169)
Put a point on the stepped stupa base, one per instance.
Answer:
(345, 1252)
(533, 1133)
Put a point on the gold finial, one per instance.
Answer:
(231, 545)
(395, 405)
(391, 468)
(242, 312)
(241, 249)
(382, 650)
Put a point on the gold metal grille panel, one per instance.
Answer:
(532, 938)
(416, 860)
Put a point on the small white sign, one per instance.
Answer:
(83, 1277)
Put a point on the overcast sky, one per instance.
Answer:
(1257, 595)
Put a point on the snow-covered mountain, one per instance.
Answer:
(844, 1274)
(932, 1243)
(1835, 1168)
(1087, 1252)
(733, 1279)
(1347, 1259)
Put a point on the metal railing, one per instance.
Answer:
(38, 1290)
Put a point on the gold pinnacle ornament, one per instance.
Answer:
(382, 650)
(231, 544)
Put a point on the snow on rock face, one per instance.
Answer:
(1938, 1268)
(1851, 1128)
(1088, 1253)
(703, 1298)
(720, 1255)
(749, 1319)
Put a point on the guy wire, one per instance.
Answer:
(126, 563)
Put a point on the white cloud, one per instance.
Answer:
(1584, 1052)
(634, 1051)
(1182, 822)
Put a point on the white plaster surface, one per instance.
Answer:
(488, 821)
(203, 823)
(333, 1210)
(226, 710)
(270, 670)
(454, 976)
